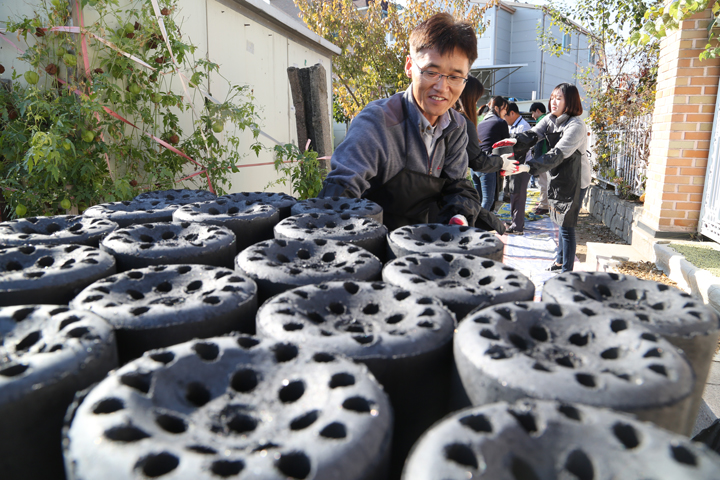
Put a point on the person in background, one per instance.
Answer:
(490, 131)
(408, 152)
(478, 160)
(519, 182)
(482, 111)
(538, 112)
(567, 142)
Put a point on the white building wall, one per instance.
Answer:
(525, 50)
(511, 38)
(251, 49)
(486, 42)
(503, 50)
(582, 63)
(8, 54)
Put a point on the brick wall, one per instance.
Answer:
(682, 124)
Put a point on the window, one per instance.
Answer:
(566, 41)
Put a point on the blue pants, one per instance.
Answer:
(485, 184)
(566, 249)
(567, 244)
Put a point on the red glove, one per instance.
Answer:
(458, 220)
(505, 143)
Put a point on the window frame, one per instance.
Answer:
(566, 42)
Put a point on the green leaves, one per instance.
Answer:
(59, 146)
(302, 169)
(658, 21)
(374, 44)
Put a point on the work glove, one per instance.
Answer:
(528, 138)
(507, 142)
(518, 169)
(509, 166)
(458, 220)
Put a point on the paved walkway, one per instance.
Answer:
(534, 251)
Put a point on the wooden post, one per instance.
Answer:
(312, 115)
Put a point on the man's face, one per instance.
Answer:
(435, 97)
(536, 114)
(510, 117)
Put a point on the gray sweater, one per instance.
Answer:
(574, 138)
(379, 142)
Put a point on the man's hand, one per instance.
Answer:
(458, 220)
(508, 142)
(509, 166)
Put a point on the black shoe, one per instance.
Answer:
(541, 211)
(554, 268)
(512, 231)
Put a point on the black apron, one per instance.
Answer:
(409, 197)
(564, 187)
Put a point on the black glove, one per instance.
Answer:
(546, 162)
(525, 140)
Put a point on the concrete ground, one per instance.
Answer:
(534, 251)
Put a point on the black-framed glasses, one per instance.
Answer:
(433, 76)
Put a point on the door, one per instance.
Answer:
(709, 223)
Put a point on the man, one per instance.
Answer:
(538, 111)
(519, 182)
(408, 152)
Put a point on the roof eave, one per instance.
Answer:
(283, 21)
(514, 5)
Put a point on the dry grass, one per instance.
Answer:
(645, 271)
(590, 229)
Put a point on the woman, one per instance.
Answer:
(491, 130)
(478, 160)
(481, 112)
(567, 142)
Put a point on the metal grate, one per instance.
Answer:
(629, 153)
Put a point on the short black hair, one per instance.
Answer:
(538, 106)
(512, 107)
(443, 33)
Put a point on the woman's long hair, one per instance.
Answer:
(469, 97)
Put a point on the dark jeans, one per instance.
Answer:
(485, 184)
(518, 199)
(566, 249)
(567, 244)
